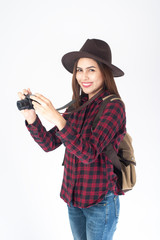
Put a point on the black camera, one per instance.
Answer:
(25, 103)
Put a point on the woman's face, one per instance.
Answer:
(89, 76)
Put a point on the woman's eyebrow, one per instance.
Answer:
(87, 67)
(91, 67)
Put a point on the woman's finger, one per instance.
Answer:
(29, 91)
(25, 91)
(21, 96)
(46, 100)
(37, 106)
(41, 99)
(37, 99)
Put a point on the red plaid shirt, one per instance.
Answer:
(88, 173)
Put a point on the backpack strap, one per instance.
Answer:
(109, 150)
(106, 100)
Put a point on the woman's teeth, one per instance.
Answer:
(86, 84)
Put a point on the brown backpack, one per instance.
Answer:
(123, 161)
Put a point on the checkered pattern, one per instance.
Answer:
(88, 173)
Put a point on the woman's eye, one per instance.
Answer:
(92, 70)
(79, 70)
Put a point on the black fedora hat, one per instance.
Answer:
(95, 49)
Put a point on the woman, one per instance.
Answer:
(89, 185)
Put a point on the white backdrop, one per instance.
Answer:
(34, 35)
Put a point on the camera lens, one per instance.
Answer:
(24, 104)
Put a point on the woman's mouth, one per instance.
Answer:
(86, 84)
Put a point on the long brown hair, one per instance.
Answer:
(109, 83)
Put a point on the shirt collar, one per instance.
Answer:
(98, 99)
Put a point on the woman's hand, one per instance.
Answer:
(44, 107)
(29, 114)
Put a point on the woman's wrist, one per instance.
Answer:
(31, 120)
(60, 122)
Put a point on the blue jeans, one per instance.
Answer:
(97, 222)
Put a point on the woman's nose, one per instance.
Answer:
(85, 75)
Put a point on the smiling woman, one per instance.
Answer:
(94, 70)
(90, 186)
(89, 76)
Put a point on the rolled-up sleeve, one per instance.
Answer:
(111, 121)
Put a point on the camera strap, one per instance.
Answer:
(82, 106)
(66, 105)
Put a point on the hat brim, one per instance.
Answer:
(69, 59)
